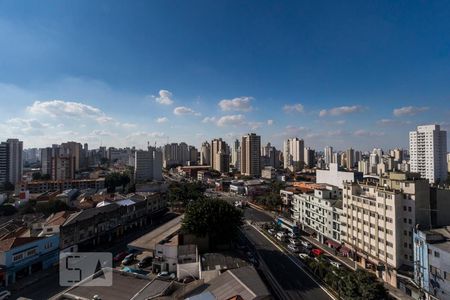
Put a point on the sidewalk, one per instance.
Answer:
(33, 278)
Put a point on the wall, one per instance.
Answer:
(335, 177)
(188, 270)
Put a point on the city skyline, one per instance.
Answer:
(325, 74)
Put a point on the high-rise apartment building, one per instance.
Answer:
(309, 157)
(236, 155)
(250, 155)
(328, 155)
(378, 220)
(428, 150)
(74, 149)
(220, 158)
(293, 153)
(148, 165)
(11, 161)
(205, 154)
(350, 158)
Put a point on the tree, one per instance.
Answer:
(53, 206)
(7, 210)
(116, 179)
(182, 194)
(215, 218)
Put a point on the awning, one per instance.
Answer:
(332, 244)
(344, 250)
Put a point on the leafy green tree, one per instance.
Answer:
(116, 179)
(215, 218)
(51, 207)
(181, 194)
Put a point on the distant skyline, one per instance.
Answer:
(353, 74)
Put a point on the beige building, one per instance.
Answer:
(220, 158)
(378, 220)
(250, 155)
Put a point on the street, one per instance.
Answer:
(293, 282)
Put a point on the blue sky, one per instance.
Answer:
(120, 73)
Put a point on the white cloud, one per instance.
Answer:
(255, 125)
(60, 108)
(270, 122)
(128, 125)
(162, 120)
(236, 104)
(209, 120)
(140, 135)
(165, 97)
(104, 120)
(298, 108)
(365, 133)
(409, 111)
(389, 122)
(19, 126)
(231, 120)
(342, 110)
(183, 110)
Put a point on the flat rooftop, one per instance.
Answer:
(149, 241)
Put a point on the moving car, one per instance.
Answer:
(271, 231)
(303, 255)
(145, 262)
(292, 235)
(281, 236)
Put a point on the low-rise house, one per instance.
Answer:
(68, 196)
(22, 256)
(53, 223)
(269, 173)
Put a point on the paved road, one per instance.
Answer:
(294, 282)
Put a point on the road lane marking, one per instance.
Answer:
(295, 262)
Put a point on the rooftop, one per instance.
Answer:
(221, 261)
(125, 286)
(148, 241)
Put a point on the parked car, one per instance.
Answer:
(4, 294)
(281, 236)
(271, 231)
(188, 279)
(145, 262)
(129, 259)
(317, 252)
(306, 244)
(293, 248)
(303, 255)
(120, 256)
(292, 235)
(135, 271)
(335, 264)
(294, 241)
(164, 275)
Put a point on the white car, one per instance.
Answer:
(303, 255)
(335, 264)
(271, 231)
(4, 294)
(292, 235)
(293, 248)
(166, 275)
(306, 244)
(294, 241)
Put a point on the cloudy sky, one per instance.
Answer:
(121, 73)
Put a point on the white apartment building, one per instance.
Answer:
(378, 220)
(147, 165)
(328, 155)
(320, 211)
(293, 153)
(364, 167)
(335, 177)
(428, 150)
(236, 155)
(220, 156)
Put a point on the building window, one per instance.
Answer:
(436, 254)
